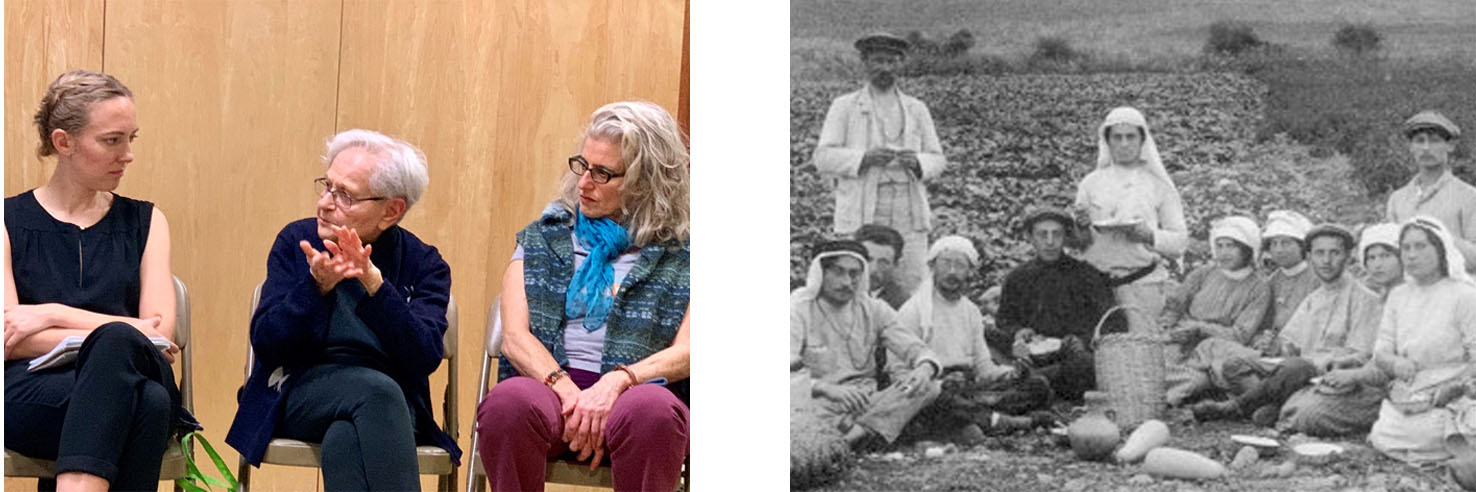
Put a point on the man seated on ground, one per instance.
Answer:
(1290, 279)
(1055, 297)
(834, 330)
(977, 395)
(884, 245)
(1330, 334)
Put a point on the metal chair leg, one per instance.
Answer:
(243, 476)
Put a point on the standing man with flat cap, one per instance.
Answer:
(880, 145)
(1434, 191)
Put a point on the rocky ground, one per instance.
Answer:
(1042, 461)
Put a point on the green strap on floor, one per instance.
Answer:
(193, 477)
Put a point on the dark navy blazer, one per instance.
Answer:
(408, 314)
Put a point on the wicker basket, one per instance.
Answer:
(1130, 370)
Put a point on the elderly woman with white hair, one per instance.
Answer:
(977, 394)
(350, 323)
(1136, 215)
(595, 315)
(1216, 313)
(1427, 345)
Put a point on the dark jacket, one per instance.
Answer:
(1062, 298)
(408, 314)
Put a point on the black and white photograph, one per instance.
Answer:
(1132, 245)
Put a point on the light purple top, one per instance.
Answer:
(583, 346)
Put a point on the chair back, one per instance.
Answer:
(182, 339)
(493, 342)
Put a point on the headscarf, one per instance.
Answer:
(1455, 262)
(924, 295)
(815, 278)
(1148, 152)
(957, 244)
(589, 290)
(1242, 230)
(1288, 224)
(1386, 234)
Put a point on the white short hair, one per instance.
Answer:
(401, 172)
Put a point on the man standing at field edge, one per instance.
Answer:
(880, 145)
(1434, 191)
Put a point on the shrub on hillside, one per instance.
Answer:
(1054, 49)
(1357, 39)
(959, 43)
(1232, 38)
(1356, 109)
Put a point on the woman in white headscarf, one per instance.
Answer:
(1378, 250)
(1136, 214)
(1427, 345)
(1216, 313)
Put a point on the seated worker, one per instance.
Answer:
(1215, 314)
(1331, 334)
(834, 330)
(977, 395)
(1056, 296)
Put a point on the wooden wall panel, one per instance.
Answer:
(42, 40)
(236, 98)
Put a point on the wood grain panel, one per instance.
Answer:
(403, 74)
(235, 100)
(43, 39)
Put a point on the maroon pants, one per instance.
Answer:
(519, 428)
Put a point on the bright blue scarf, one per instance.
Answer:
(589, 290)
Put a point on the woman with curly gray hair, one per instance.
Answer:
(595, 315)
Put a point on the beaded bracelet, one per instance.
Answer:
(553, 377)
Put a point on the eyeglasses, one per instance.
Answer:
(599, 174)
(340, 197)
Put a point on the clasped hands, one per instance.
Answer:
(882, 157)
(345, 259)
(587, 411)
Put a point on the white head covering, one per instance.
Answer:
(1386, 234)
(815, 278)
(1148, 152)
(1455, 262)
(957, 244)
(924, 295)
(1288, 224)
(1242, 229)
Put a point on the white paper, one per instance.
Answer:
(66, 352)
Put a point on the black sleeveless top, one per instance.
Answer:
(96, 269)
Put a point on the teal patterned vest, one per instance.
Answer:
(647, 311)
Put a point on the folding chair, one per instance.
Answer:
(559, 471)
(432, 460)
(173, 467)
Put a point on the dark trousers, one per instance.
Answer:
(1071, 371)
(1290, 375)
(108, 415)
(361, 418)
(964, 402)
